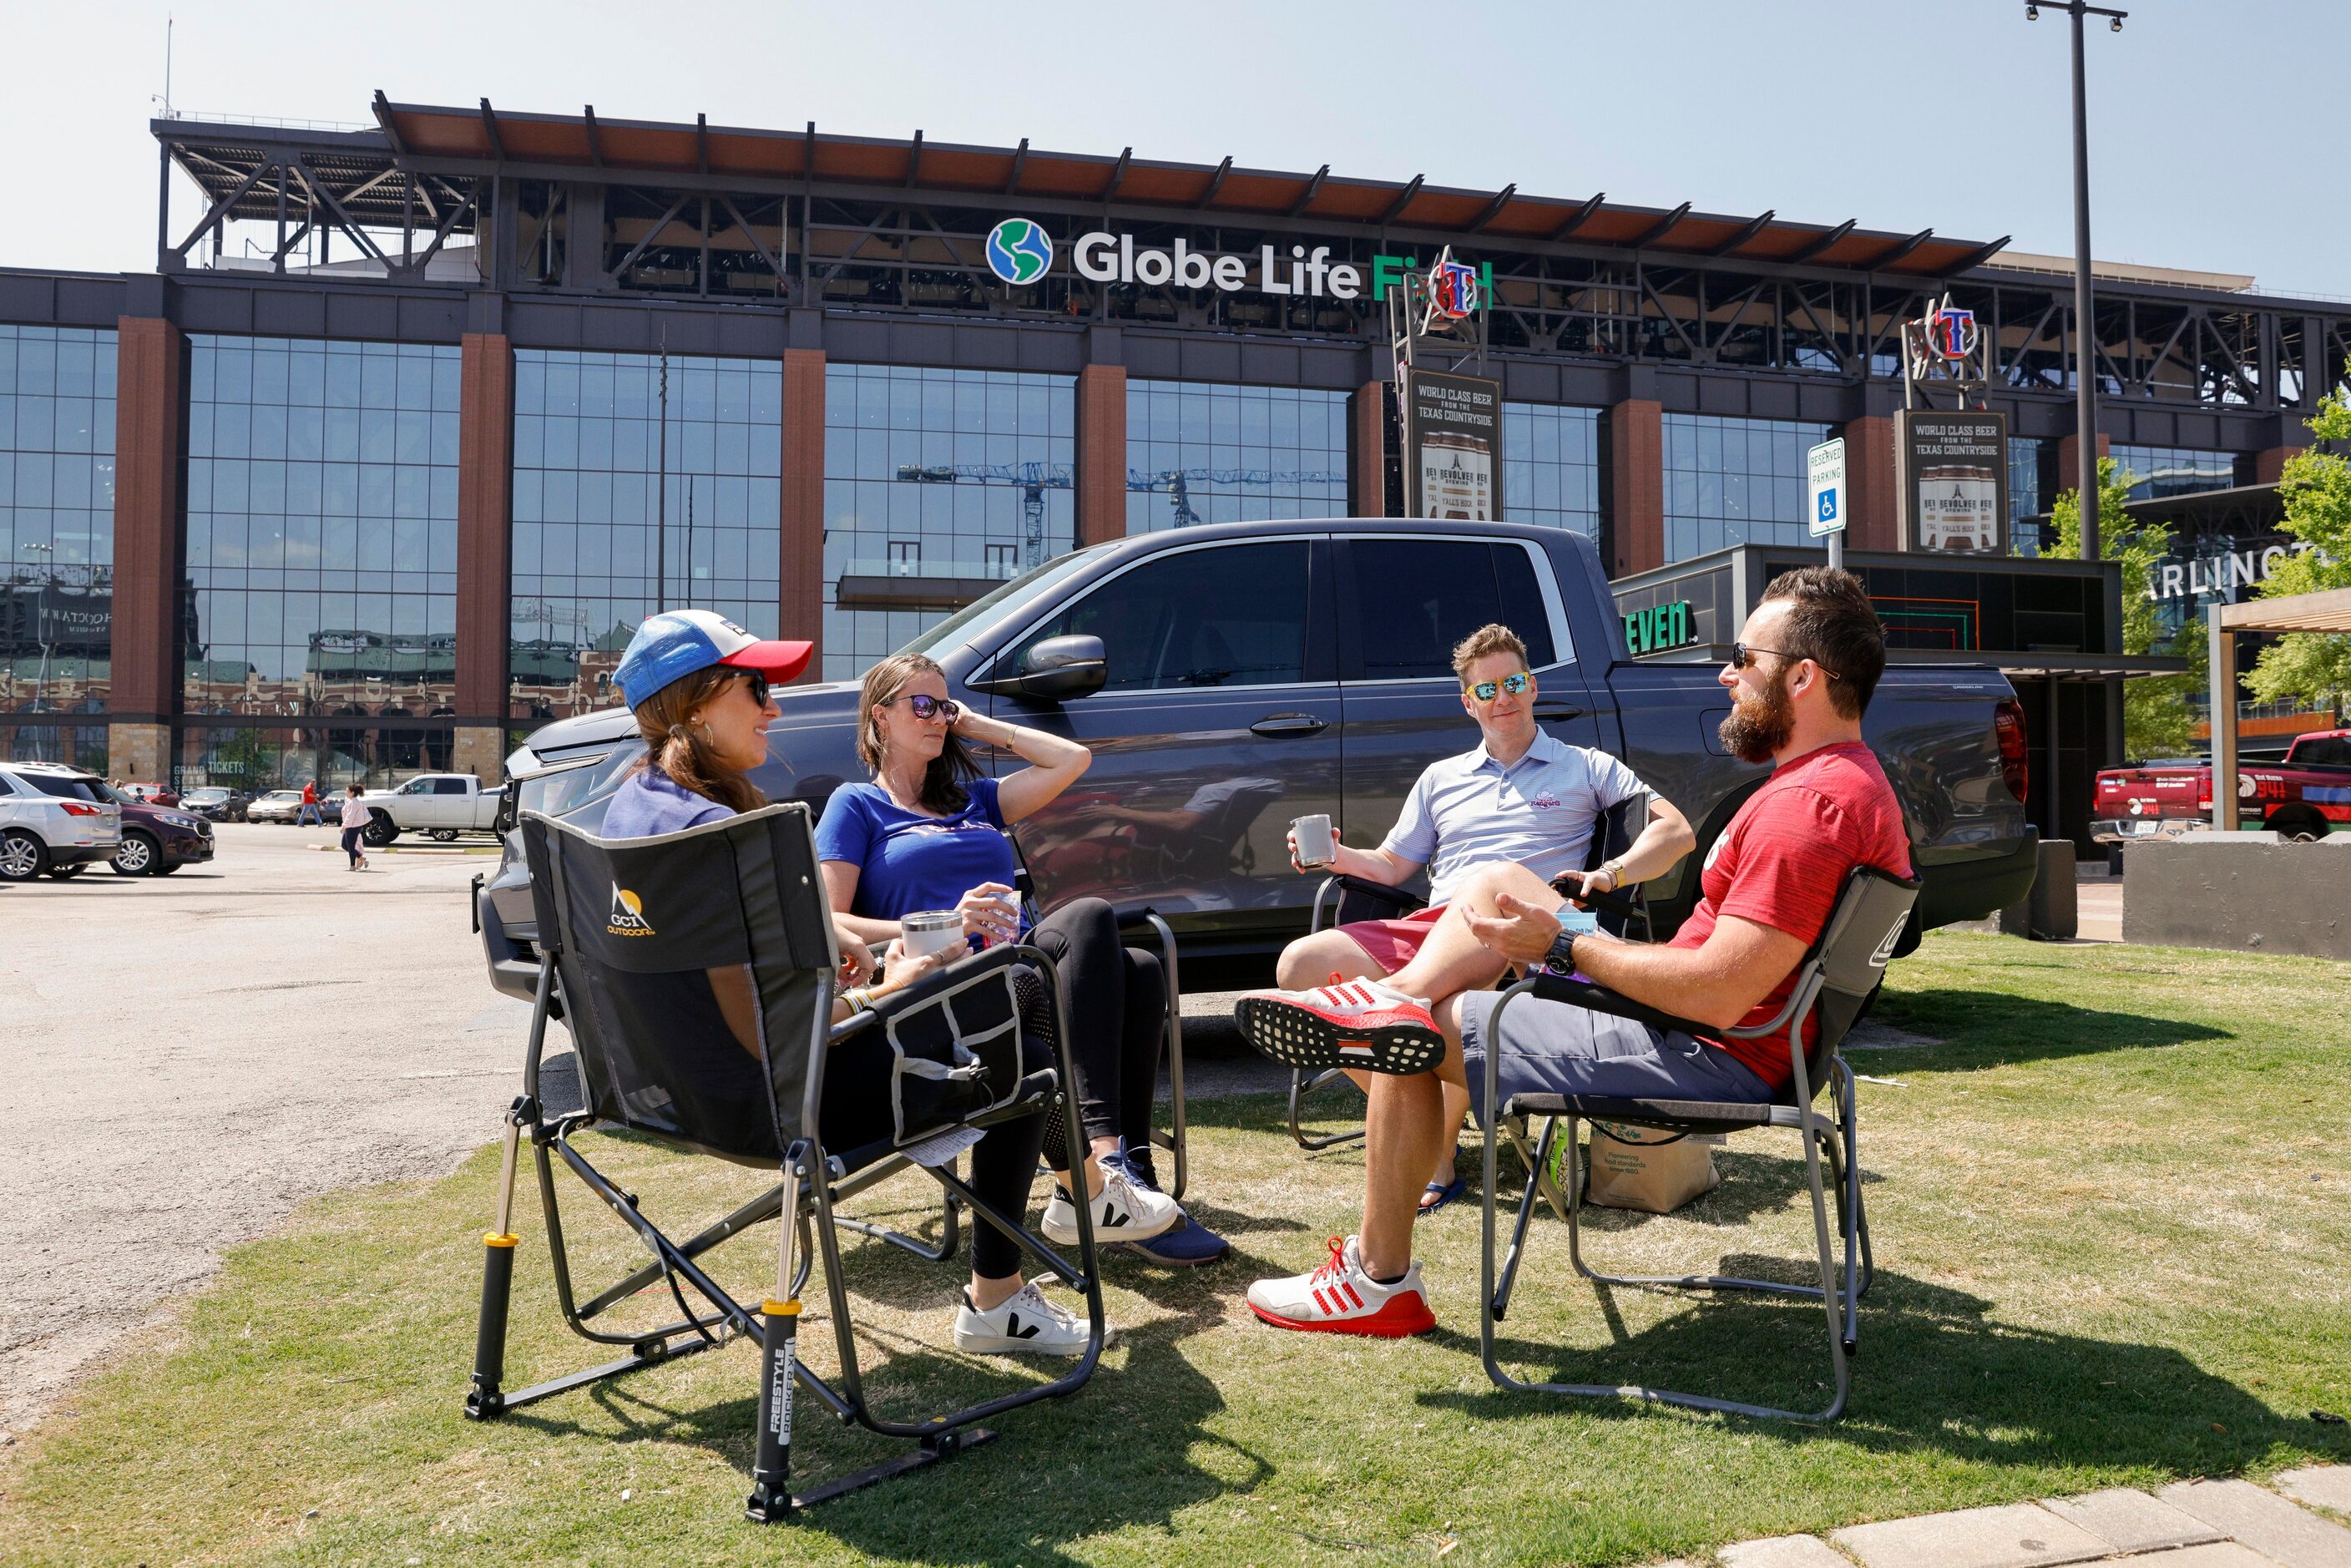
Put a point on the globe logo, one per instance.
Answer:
(1018, 252)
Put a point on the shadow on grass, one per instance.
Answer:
(1983, 1029)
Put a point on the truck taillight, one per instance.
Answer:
(2008, 728)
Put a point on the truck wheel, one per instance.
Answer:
(444, 835)
(23, 857)
(2298, 825)
(381, 831)
(138, 855)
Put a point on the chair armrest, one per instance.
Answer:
(926, 991)
(1630, 907)
(1341, 882)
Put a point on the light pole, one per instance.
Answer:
(2085, 327)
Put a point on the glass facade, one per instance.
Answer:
(322, 546)
(2031, 490)
(1735, 481)
(1200, 452)
(57, 539)
(2160, 471)
(1551, 467)
(935, 481)
(602, 540)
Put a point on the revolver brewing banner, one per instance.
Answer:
(1454, 447)
(1953, 480)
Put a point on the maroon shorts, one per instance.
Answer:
(1392, 944)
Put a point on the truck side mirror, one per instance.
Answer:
(1055, 670)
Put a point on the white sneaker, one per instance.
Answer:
(1025, 1323)
(1340, 1298)
(1347, 1023)
(1124, 1210)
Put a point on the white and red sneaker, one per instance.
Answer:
(1340, 1298)
(1347, 1023)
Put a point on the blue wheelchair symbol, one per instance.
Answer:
(1828, 506)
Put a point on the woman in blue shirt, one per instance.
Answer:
(930, 833)
(697, 684)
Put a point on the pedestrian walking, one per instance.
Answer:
(311, 815)
(355, 822)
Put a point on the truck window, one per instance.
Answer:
(1233, 615)
(448, 786)
(2332, 752)
(1417, 598)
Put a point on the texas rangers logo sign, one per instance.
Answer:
(1453, 288)
(1952, 331)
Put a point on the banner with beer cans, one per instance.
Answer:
(1453, 457)
(1951, 480)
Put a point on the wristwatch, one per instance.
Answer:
(1561, 959)
(1616, 869)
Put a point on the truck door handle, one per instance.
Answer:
(1558, 711)
(1289, 724)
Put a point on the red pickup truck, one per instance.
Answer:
(2307, 796)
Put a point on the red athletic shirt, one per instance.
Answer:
(1784, 859)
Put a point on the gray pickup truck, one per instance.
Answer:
(1231, 677)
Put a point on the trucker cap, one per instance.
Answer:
(676, 643)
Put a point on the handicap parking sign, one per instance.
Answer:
(1828, 511)
(1824, 477)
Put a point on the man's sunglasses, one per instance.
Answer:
(927, 708)
(1743, 657)
(1484, 691)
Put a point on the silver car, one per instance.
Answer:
(53, 821)
(278, 805)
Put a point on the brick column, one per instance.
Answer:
(1101, 453)
(485, 550)
(799, 587)
(1633, 501)
(2268, 466)
(1367, 450)
(2069, 459)
(1871, 519)
(150, 382)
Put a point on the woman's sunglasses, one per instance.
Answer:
(759, 686)
(1484, 691)
(1742, 657)
(927, 708)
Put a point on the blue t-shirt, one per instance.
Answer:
(650, 802)
(907, 862)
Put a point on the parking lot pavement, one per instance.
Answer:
(187, 1057)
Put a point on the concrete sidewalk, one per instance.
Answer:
(2295, 1522)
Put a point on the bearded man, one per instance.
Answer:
(1801, 677)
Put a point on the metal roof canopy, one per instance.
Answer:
(419, 140)
(2329, 611)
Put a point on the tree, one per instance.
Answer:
(2313, 667)
(2156, 718)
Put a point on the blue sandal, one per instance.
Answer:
(1438, 1194)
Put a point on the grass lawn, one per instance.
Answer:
(2112, 1213)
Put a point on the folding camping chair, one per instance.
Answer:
(1834, 983)
(632, 936)
(1347, 898)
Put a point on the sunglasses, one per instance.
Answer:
(759, 686)
(1484, 691)
(1743, 657)
(928, 707)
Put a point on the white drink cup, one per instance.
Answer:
(931, 931)
(1317, 846)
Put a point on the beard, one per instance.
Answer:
(1758, 726)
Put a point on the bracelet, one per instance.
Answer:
(858, 999)
(1617, 878)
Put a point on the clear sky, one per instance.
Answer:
(2215, 129)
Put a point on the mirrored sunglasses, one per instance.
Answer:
(1484, 691)
(929, 707)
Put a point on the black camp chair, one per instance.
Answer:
(1834, 982)
(631, 932)
(1350, 898)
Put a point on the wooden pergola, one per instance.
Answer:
(2327, 611)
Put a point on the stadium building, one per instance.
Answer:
(412, 422)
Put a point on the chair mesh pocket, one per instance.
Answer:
(955, 1058)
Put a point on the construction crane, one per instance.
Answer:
(1179, 483)
(1032, 479)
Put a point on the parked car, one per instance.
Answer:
(283, 806)
(53, 822)
(1231, 677)
(156, 840)
(215, 804)
(151, 794)
(439, 805)
(2306, 796)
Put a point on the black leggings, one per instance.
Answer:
(1117, 1003)
(351, 844)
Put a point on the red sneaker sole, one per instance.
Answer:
(1386, 1323)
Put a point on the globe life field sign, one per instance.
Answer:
(1020, 252)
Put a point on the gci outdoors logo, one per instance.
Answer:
(627, 917)
(1018, 252)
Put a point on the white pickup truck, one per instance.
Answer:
(439, 805)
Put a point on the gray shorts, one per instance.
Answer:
(1554, 1048)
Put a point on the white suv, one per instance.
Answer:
(53, 820)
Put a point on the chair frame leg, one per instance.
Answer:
(1300, 1087)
